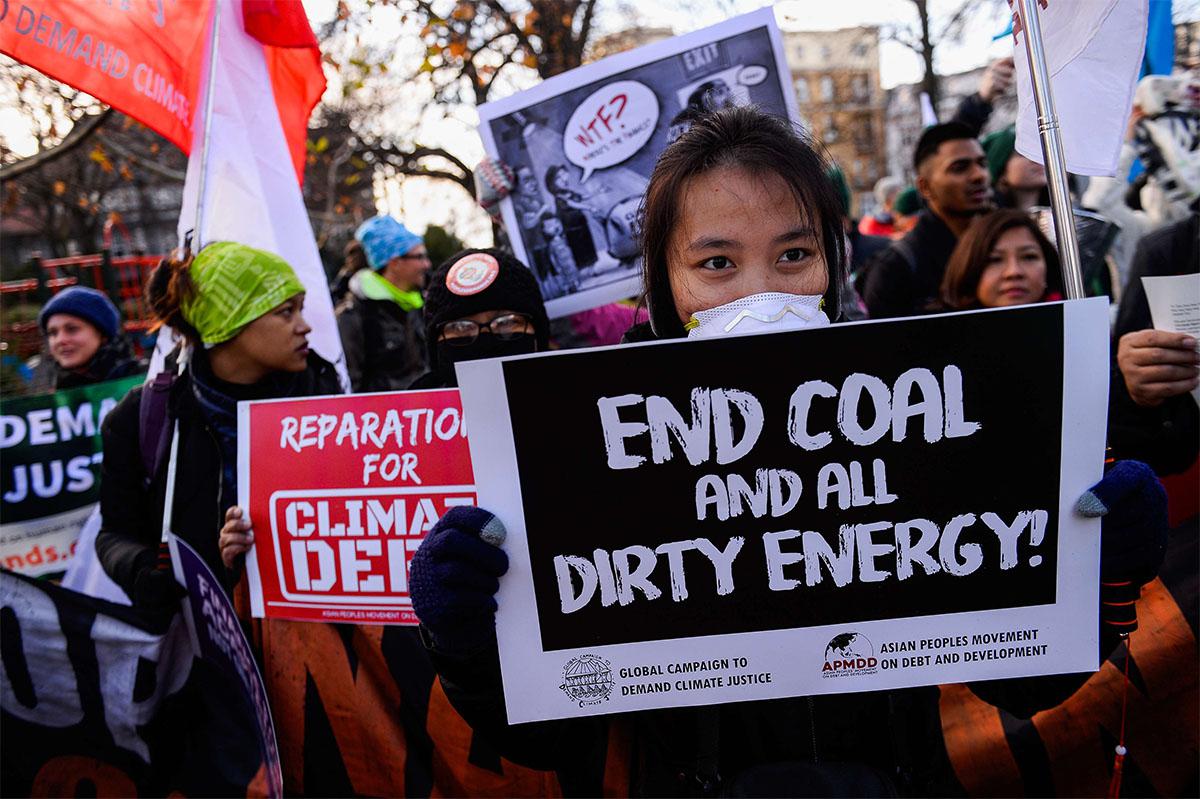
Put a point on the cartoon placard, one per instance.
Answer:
(582, 145)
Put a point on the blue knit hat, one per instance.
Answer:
(88, 304)
(383, 238)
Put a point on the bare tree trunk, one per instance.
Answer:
(929, 83)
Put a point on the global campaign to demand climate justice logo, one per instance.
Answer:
(837, 502)
(582, 145)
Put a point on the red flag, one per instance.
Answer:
(294, 63)
(144, 59)
(147, 58)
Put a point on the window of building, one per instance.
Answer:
(802, 94)
(861, 87)
(831, 131)
(827, 88)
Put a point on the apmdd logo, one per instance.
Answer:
(849, 654)
(587, 679)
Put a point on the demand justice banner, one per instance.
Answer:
(582, 145)
(51, 473)
(850, 508)
(341, 491)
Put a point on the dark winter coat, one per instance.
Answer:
(384, 344)
(131, 502)
(906, 278)
(1167, 436)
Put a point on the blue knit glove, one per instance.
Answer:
(454, 578)
(1133, 537)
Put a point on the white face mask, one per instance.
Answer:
(769, 312)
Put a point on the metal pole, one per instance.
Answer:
(1052, 152)
(209, 94)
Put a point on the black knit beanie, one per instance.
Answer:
(467, 283)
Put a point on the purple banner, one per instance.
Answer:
(218, 638)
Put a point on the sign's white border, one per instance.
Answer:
(532, 676)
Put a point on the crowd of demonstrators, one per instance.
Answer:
(737, 214)
(952, 178)
(85, 343)
(741, 211)
(380, 318)
(239, 311)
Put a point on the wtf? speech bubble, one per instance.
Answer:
(612, 124)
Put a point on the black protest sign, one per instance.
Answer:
(914, 478)
(850, 478)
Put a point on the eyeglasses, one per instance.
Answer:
(422, 256)
(462, 332)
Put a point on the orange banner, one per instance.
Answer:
(143, 57)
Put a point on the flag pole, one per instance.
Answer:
(1052, 152)
(209, 94)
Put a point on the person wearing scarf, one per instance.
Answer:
(239, 310)
(380, 318)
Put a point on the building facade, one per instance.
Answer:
(836, 78)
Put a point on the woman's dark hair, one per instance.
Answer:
(960, 285)
(169, 286)
(551, 173)
(746, 138)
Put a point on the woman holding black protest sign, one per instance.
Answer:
(741, 232)
(239, 310)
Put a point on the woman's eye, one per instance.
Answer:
(717, 263)
(795, 255)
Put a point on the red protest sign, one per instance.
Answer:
(341, 491)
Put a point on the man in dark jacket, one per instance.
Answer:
(1151, 415)
(380, 319)
(952, 177)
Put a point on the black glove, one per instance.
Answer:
(454, 577)
(1133, 536)
(156, 593)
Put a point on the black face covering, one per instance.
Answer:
(486, 346)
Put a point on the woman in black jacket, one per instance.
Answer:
(741, 231)
(239, 311)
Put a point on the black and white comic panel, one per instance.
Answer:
(582, 147)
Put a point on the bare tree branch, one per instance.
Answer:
(78, 135)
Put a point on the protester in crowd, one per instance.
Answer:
(1152, 415)
(239, 311)
(952, 178)
(354, 260)
(1018, 182)
(882, 222)
(861, 249)
(738, 216)
(380, 319)
(1003, 259)
(481, 304)
(905, 211)
(975, 109)
(84, 341)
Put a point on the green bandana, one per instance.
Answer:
(376, 287)
(235, 285)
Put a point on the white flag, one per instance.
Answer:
(1093, 55)
(251, 195)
